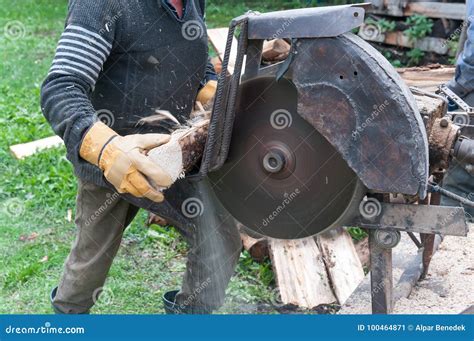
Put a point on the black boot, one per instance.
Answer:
(51, 298)
(56, 309)
(172, 308)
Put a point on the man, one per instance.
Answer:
(460, 176)
(119, 61)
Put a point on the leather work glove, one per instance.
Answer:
(123, 160)
(207, 93)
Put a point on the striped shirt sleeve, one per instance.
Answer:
(80, 52)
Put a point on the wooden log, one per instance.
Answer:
(371, 32)
(300, 272)
(342, 262)
(257, 248)
(456, 11)
(186, 146)
(156, 219)
(22, 150)
(275, 50)
(428, 77)
(362, 249)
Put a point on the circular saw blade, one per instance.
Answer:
(282, 179)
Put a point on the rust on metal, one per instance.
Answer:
(442, 138)
(356, 100)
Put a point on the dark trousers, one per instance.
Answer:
(101, 218)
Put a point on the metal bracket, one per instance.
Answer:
(413, 218)
(456, 99)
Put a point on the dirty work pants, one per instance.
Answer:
(101, 218)
(465, 63)
(461, 182)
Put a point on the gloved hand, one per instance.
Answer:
(207, 93)
(123, 161)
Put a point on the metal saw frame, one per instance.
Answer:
(312, 40)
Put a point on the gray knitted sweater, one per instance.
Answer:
(119, 61)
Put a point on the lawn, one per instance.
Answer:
(37, 195)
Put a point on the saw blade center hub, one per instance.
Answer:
(273, 162)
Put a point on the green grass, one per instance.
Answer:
(36, 193)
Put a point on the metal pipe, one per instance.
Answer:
(435, 188)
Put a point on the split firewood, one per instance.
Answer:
(156, 219)
(186, 146)
(275, 50)
(256, 247)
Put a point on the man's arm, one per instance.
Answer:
(82, 50)
(85, 45)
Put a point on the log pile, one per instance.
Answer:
(386, 25)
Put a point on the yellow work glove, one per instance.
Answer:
(123, 160)
(207, 93)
